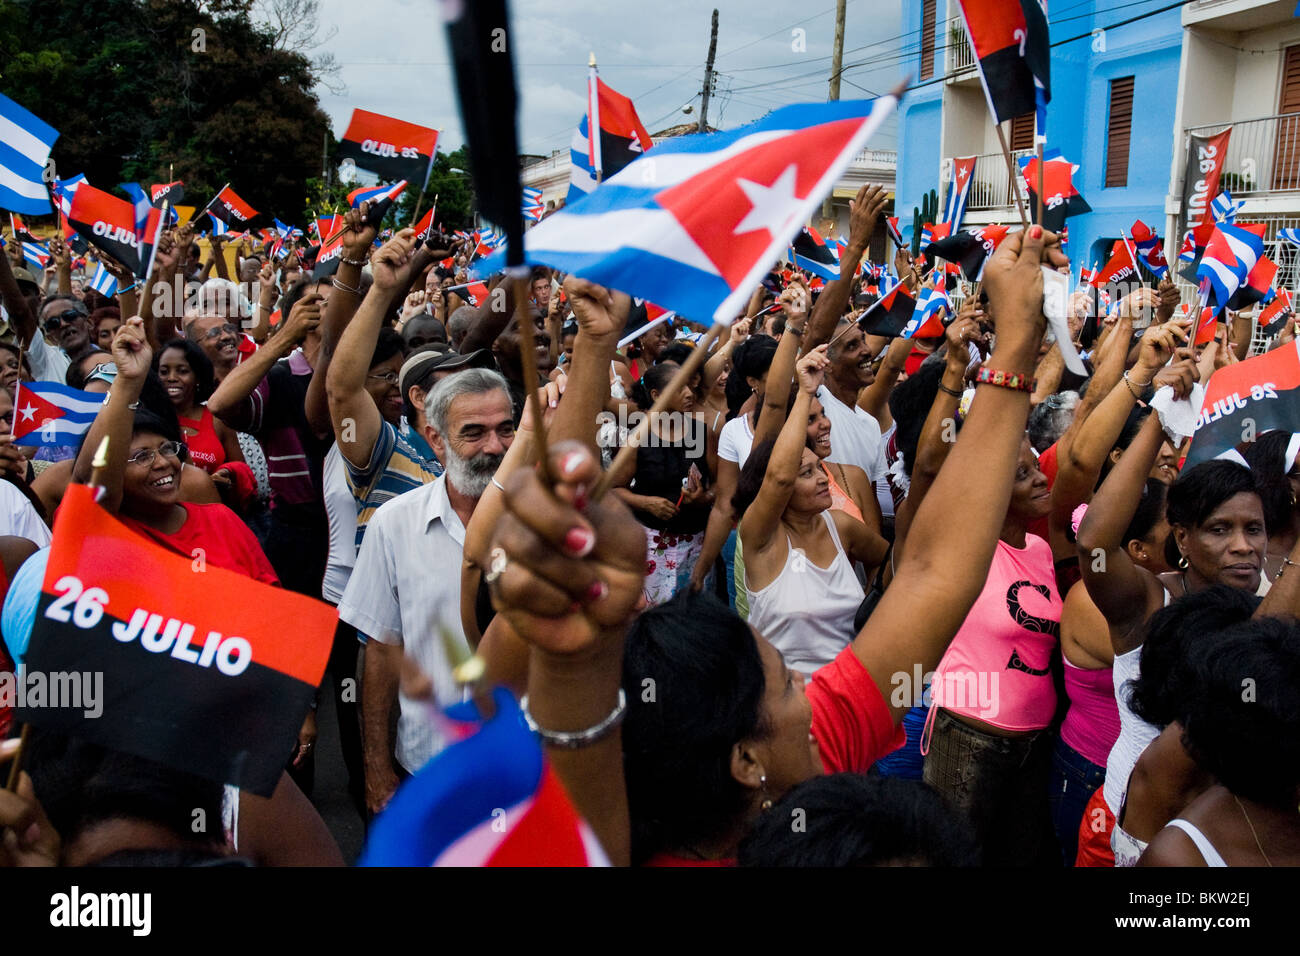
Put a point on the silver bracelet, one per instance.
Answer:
(346, 288)
(574, 740)
(500, 487)
(353, 262)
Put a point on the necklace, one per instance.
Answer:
(1258, 845)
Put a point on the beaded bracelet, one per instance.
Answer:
(1018, 381)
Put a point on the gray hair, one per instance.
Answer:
(459, 322)
(471, 381)
(1049, 419)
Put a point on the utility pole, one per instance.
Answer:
(837, 61)
(708, 75)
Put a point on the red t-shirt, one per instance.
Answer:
(1048, 465)
(224, 540)
(851, 721)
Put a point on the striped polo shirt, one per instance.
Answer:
(400, 461)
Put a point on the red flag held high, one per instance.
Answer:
(393, 149)
(230, 209)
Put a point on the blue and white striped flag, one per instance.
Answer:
(25, 144)
(37, 255)
(532, 207)
(219, 227)
(1290, 235)
(1225, 208)
(103, 282)
(51, 413)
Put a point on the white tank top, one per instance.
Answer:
(1135, 734)
(1208, 852)
(807, 612)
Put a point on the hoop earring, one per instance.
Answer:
(1182, 563)
(767, 801)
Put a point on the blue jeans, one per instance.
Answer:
(1074, 780)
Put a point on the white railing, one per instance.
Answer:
(875, 159)
(1263, 154)
(991, 186)
(960, 57)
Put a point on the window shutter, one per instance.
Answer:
(1118, 131)
(927, 39)
(1286, 152)
(1022, 132)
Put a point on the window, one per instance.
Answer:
(927, 39)
(1022, 132)
(1118, 131)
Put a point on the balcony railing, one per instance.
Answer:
(991, 186)
(1263, 155)
(875, 159)
(960, 57)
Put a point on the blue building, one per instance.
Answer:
(1115, 84)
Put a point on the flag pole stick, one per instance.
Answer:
(1129, 249)
(1040, 180)
(16, 767)
(1011, 172)
(593, 117)
(856, 322)
(638, 434)
(528, 364)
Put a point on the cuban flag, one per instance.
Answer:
(1149, 251)
(1258, 286)
(37, 255)
(219, 227)
(811, 253)
(703, 230)
(50, 413)
(963, 171)
(1225, 208)
(620, 138)
(25, 144)
(142, 203)
(1188, 251)
(1290, 235)
(969, 249)
(531, 205)
(374, 193)
(489, 799)
(1229, 257)
(103, 282)
(1061, 199)
(891, 223)
(891, 314)
(927, 319)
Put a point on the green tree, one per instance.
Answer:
(455, 194)
(190, 88)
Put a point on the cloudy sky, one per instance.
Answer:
(394, 60)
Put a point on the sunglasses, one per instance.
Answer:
(63, 318)
(219, 331)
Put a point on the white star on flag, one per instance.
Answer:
(772, 207)
(29, 412)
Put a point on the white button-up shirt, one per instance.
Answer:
(405, 590)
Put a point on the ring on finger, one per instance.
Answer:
(496, 566)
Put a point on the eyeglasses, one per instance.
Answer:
(219, 331)
(146, 456)
(63, 318)
(389, 377)
(110, 367)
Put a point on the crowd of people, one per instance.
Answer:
(850, 600)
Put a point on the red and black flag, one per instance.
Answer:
(1274, 316)
(230, 209)
(620, 138)
(327, 259)
(489, 106)
(1263, 391)
(390, 148)
(1120, 267)
(890, 314)
(811, 254)
(206, 671)
(1258, 286)
(169, 192)
(1010, 41)
(969, 248)
(1060, 199)
(108, 223)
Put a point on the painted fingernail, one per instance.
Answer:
(571, 462)
(597, 591)
(1036, 232)
(580, 497)
(32, 834)
(579, 542)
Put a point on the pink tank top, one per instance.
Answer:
(998, 667)
(1091, 724)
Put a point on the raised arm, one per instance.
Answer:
(780, 374)
(21, 316)
(864, 216)
(340, 309)
(1082, 451)
(356, 419)
(716, 362)
(761, 520)
(1124, 593)
(229, 401)
(116, 418)
(951, 544)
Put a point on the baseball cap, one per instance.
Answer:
(24, 275)
(433, 359)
